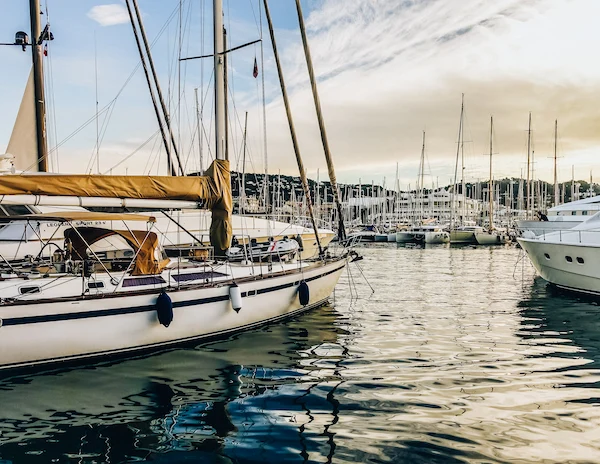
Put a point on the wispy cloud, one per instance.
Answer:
(109, 15)
(388, 70)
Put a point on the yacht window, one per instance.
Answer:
(95, 284)
(585, 213)
(573, 213)
(32, 289)
(580, 260)
(17, 210)
(569, 259)
(546, 255)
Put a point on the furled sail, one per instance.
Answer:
(214, 190)
(23, 140)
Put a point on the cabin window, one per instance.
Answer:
(197, 276)
(95, 285)
(29, 289)
(569, 259)
(585, 213)
(17, 210)
(573, 213)
(580, 260)
(546, 255)
(140, 281)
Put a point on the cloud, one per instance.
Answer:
(109, 15)
(389, 70)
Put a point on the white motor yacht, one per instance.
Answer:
(567, 258)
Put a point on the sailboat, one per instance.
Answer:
(111, 289)
(460, 231)
(27, 151)
(422, 232)
(492, 236)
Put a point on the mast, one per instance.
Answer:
(158, 90)
(528, 186)
(491, 184)
(555, 163)
(243, 193)
(170, 168)
(422, 179)
(219, 60)
(38, 82)
(328, 158)
(453, 205)
(291, 125)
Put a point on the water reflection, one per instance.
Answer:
(459, 356)
(203, 401)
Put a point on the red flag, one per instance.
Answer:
(255, 71)
(46, 50)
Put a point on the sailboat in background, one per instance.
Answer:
(461, 232)
(492, 236)
(422, 230)
(111, 289)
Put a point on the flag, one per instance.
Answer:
(255, 71)
(46, 50)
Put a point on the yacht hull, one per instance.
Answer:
(580, 274)
(43, 332)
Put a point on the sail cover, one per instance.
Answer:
(214, 190)
(23, 140)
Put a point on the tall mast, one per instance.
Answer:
(291, 127)
(328, 158)
(555, 163)
(170, 168)
(38, 83)
(491, 184)
(219, 58)
(460, 124)
(422, 179)
(159, 92)
(528, 189)
(462, 175)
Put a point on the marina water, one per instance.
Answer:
(460, 355)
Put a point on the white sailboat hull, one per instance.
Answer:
(462, 236)
(485, 238)
(406, 236)
(437, 237)
(64, 329)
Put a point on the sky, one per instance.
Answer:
(387, 70)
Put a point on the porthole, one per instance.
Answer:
(569, 259)
(546, 255)
(580, 260)
(25, 290)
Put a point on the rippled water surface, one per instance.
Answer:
(460, 355)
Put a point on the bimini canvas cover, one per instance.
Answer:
(144, 244)
(213, 189)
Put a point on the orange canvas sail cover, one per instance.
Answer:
(214, 189)
(81, 185)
